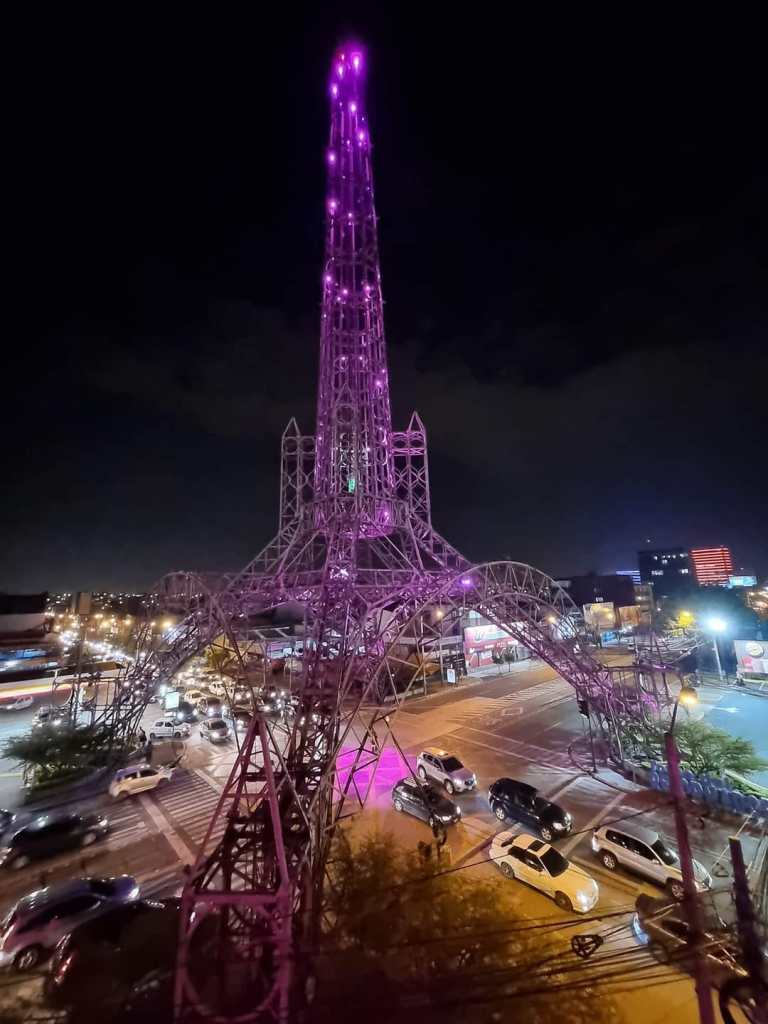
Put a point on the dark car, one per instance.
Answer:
(96, 965)
(241, 719)
(517, 801)
(213, 707)
(185, 712)
(425, 802)
(50, 834)
(7, 819)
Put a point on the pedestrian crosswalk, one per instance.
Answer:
(189, 803)
(510, 704)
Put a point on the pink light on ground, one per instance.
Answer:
(391, 769)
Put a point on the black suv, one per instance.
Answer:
(425, 802)
(51, 834)
(517, 801)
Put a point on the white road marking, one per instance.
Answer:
(566, 848)
(163, 824)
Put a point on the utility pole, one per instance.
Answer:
(717, 657)
(750, 944)
(690, 899)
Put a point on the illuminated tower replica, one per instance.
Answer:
(373, 590)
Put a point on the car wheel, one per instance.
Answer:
(123, 794)
(20, 862)
(398, 805)
(546, 834)
(422, 774)
(153, 736)
(676, 889)
(88, 838)
(499, 812)
(608, 860)
(177, 735)
(28, 958)
(563, 902)
(449, 787)
(506, 870)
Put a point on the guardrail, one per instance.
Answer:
(712, 791)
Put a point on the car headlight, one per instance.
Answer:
(445, 817)
(583, 899)
(558, 826)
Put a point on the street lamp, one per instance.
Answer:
(687, 696)
(717, 625)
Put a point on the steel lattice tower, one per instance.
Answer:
(354, 426)
(378, 589)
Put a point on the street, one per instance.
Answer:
(520, 725)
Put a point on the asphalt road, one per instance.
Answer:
(520, 725)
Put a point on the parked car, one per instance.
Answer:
(213, 707)
(50, 834)
(167, 727)
(215, 730)
(643, 851)
(38, 922)
(663, 927)
(124, 944)
(517, 801)
(446, 769)
(541, 866)
(422, 801)
(138, 778)
(18, 704)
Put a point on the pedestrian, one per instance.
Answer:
(142, 737)
(148, 751)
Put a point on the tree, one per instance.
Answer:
(706, 750)
(55, 750)
(407, 940)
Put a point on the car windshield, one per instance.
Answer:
(554, 862)
(218, 723)
(452, 764)
(431, 795)
(667, 856)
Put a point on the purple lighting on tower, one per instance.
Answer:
(353, 458)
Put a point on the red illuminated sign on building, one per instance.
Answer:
(712, 566)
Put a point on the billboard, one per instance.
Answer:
(751, 657)
(480, 641)
(600, 617)
(742, 581)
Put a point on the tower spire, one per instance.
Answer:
(353, 459)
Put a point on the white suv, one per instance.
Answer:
(643, 851)
(166, 727)
(446, 769)
(137, 779)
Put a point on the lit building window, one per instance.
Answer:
(657, 572)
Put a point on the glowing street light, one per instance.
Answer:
(717, 625)
(688, 697)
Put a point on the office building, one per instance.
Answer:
(670, 570)
(712, 567)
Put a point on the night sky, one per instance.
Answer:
(573, 245)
